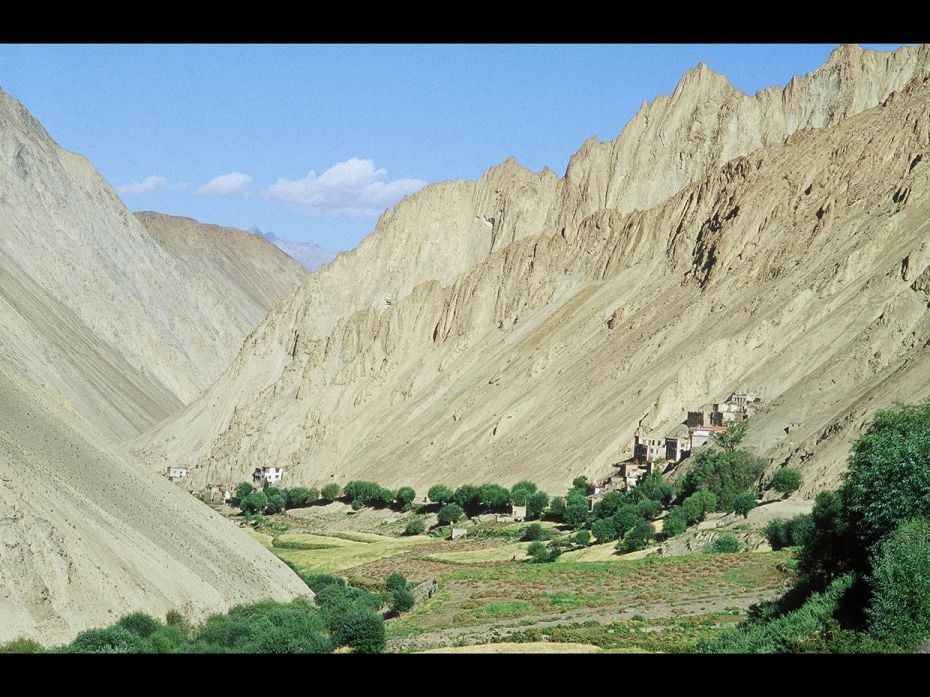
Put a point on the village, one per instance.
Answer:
(648, 452)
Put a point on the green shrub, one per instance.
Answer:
(450, 513)
(625, 518)
(521, 492)
(536, 503)
(533, 532)
(900, 609)
(113, 639)
(726, 474)
(637, 537)
(368, 493)
(396, 580)
(648, 509)
(468, 497)
(786, 480)
(405, 496)
(699, 504)
(557, 508)
(675, 522)
(609, 503)
(655, 488)
(401, 600)
(576, 510)
(363, 631)
(582, 538)
(300, 497)
(604, 530)
(440, 494)
(317, 582)
(538, 552)
(724, 543)
(778, 533)
(22, 645)
(139, 623)
(494, 497)
(276, 500)
(415, 526)
(744, 503)
(243, 489)
(254, 502)
(330, 492)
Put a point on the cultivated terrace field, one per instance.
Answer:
(490, 597)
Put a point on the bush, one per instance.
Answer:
(368, 493)
(536, 503)
(726, 474)
(363, 630)
(538, 552)
(626, 517)
(581, 484)
(576, 510)
(698, 504)
(22, 645)
(557, 508)
(300, 497)
(604, 530)
(113, 639)
(521, 492)
(357, 504)
(468, 497)
(744, 503)
(440, 494)
(450, 513)
(777, 533)
(533, 532)
(900, 609)
(254, 502)
(583, 538)
(415, 526)
(608, 504)
(655, 487)
(786, 480)
(675, 522)
(243, 489)
(276, 500)
(724, 543)
(330, 492)
(402, 600)
(494, 497)
(396, 580)
(139, 623)
(638, 537)
(317, 582)
(175, 620)
(648, 509)
(405, 496)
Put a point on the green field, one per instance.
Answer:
(591, 597)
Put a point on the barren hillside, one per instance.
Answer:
(524, 325)
(103, 331)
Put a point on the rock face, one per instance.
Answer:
(104, 330)
(523, 325)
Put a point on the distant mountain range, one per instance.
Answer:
(309, 254)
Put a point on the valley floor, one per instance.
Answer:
(489, 598)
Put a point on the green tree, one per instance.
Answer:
(557, 508)
(538, 552)
(243, 489)
(415, 526)
(401, 600)
(494, 497)
(675, 522)
(468, 497)
(140, 623)
(583, 538)
(637, 537)
(405, 496)
(656, 488)
(604, 530)
(900, 609)
(450, 513)
(396, 580)
(608, 504)
(254, 502)
(726, 474)
(744, 503)
(440, 494)
(113, 639)
(576, 510)
(300, 497)
(648, 509)
(625, 518)
(535, 504)
(330, 492)
(521, 491)
(724, 543)
(533, 532)
(276, 500)
(786, 480)
(581, 484)
(731, 439)
(363, 630)
(831, 549)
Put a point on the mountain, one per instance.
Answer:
(523, 326)
(103, 332)
(309, 254)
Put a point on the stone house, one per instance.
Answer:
(267, 475)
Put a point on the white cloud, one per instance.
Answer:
(350, 188)
(146, 186)
(232, 184)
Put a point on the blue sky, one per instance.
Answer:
(313, 142)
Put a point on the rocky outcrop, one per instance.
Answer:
(523, 325)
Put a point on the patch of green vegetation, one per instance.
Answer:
(570, 601)
(505, 608)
